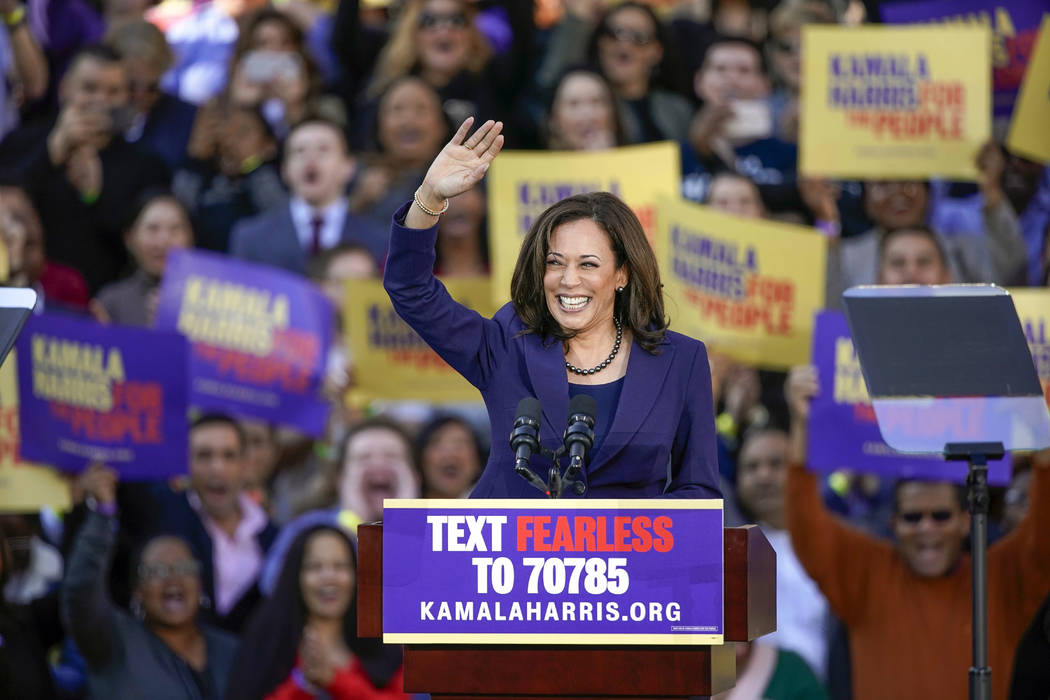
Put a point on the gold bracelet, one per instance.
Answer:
(425, 209)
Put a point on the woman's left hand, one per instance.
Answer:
(462, 162)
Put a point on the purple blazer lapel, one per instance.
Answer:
(642, 386)
(546, 367)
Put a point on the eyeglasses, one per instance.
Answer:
(914, 517)
(431, 20)
(161, 571)
(631, 36)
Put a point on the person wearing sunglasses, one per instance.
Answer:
(906, 604)
(159, 650)
(441, 42)
(630, 48)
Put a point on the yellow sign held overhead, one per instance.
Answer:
(522, 185)
(747, 288)
(910, 101)
(1029, 134)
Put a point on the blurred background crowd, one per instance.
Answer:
(287, 133)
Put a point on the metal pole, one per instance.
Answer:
(980, 673)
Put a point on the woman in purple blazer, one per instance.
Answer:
(586, 317)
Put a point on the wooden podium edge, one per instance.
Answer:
(370, 580)
(750, 584)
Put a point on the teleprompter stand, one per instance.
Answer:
(527, 672)
(977, 455)
(949, 372)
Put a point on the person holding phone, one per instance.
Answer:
(733, 129)
(272, 70)
(82, 182)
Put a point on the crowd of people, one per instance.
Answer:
(288, 134)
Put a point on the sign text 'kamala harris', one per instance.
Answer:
(259, 338)
(556, 572)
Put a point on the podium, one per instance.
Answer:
(527, 672)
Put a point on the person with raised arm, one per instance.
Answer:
(906, 604)
(586, 317)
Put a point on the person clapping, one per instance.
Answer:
(302, 643)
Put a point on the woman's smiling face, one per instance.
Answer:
(581, 276)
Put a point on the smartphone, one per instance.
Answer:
(264, 66)
(751, 120)
(16, 305)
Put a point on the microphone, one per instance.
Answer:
(579, 433)
(524, 439)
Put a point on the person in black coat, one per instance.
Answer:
(80, 173)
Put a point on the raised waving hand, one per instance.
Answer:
(458, 167)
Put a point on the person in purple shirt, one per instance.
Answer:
(586, 317)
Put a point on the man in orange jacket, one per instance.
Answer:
(907, 606)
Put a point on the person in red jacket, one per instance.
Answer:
(302, 642)
(907, 604)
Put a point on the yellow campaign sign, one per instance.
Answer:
(390, 360)
(748, 288)
(1033, 308)
(911, 101)
(521, 185)
(1029, 134)
(24, 487)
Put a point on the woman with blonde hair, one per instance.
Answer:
(441, 42)
(154, 119)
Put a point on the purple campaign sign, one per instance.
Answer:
(259, 337)
(843, 432)
(93, 393)
(1014, 25)
(507, 572)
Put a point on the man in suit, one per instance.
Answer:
(317, 168)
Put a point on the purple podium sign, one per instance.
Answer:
(258, 335)
(552, 572)
(842, 427)
(94, 393)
